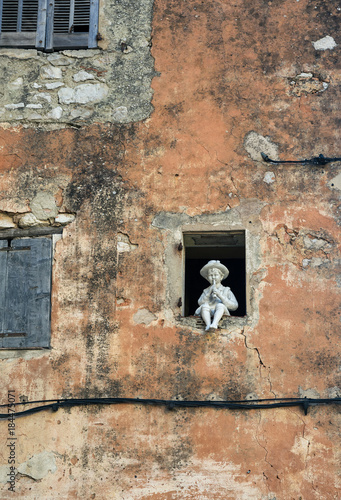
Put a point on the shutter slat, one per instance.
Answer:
(9, 18)
(20, 8)
(29, 15)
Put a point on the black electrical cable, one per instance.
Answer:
(317, 160)
(55, 404)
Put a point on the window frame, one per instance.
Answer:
(222, 245)
(44, 37)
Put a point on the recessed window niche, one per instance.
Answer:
(229, 248)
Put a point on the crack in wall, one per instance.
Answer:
(261, 363)
(265, 476)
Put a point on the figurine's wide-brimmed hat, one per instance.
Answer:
(214, 264)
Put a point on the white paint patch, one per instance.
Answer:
(38, 466)
(143, 316)
(335, 183)
(255, 144)
(300, 447)
(326, 43)
(269, 177)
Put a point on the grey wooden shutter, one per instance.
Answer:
(49, 24)
(25, 303)
(71, 24)
(22, 23)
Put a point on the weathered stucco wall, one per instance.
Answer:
(234, 79)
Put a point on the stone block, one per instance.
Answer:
(120, 113)
(82, 94)
(56, 113)
(58, 60)
(6, 222)
(19, 53)
(50, 72)
(64, 218)
(44, 206)
(28, 220)
(82, 76)
(54, 85)
(15, 105)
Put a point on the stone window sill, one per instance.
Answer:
(227, 323)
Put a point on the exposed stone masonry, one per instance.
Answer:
(108, 84)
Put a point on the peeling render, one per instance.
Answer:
(39, 466)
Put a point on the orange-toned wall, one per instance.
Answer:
(230, 82)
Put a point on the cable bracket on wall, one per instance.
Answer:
(317, 160)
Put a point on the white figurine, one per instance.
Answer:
(216, 300)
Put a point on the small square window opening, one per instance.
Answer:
(229, 248)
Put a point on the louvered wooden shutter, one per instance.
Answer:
(25, 293)
(52, 24)
(22, 23)
(71, 24)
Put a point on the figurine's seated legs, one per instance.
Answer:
(206, 315)
(218, 314)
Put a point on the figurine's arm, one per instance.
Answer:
(227, 298)
(203, 298)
